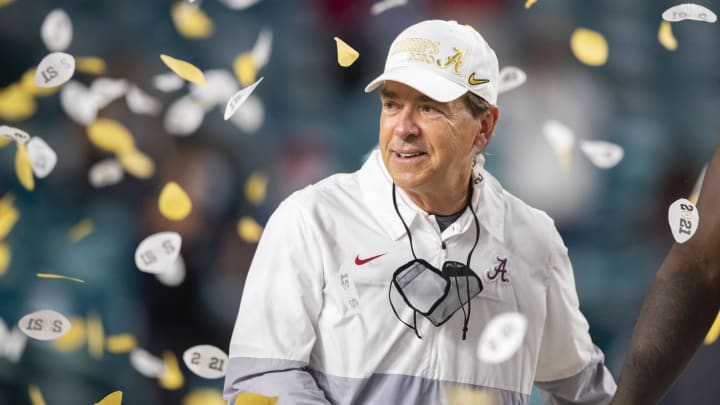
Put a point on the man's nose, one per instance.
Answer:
(406, 123)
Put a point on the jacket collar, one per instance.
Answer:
(376, 188)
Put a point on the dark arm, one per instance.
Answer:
(679, 308)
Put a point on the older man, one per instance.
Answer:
(375, 287)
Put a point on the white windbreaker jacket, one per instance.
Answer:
(315, 325)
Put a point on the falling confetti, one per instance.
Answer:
(382, 6)
(207, 361)
(59, 276)
(714, 331)
(694, 194)
(91, 65)
(204, 396)
(5, 255)
(106, 90)
(184, 69)
(124, 343)
(23, 167)
(239, 98)
(175, 275)
(245, 68)
(604, 155)
(12, 343)
(16, 134)
(156, 253)
(171, 378)
(36, 397)
(256, 188)
(251, 398)
(174, 203)
(249, 230)
(502, 337)
(95, 335)
(137, 163)
(79, 103)
(168, 82)
(510, 78)
(81, 230)
(74, 338)
(589, 47)
(140, 102)
(261, 49)
(184, 116)
(220, 85)
(42, 158)
(16, 103)
(9, 214)
(191, 21)
(529, 3)
(238, 4)
(5, 3)
(55, 69)
(27, 82)
(114, 398)
(45, 324)
(146, 364)
(346, 55)
(683, 218)
(57, 31)
(689, 11)
(561, 140)
(105, 173)
(665, 36)
(110, 136)
(250, 116)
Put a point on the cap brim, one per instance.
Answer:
(434, 86)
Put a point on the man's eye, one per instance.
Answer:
(389, 104)
(429, 109)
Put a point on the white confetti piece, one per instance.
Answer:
(140, 102)
(502, 337)
(220, 85)
(206, 361)
(57, 31)
(158, 252)
(45, 324)
(184, 116)
(238, 4)
(16, 134)
(689, 11)
(108, 90)
(250, 116)
(168, 82)
(683, 218)
(42, 158)
(55, 69)
(561, 140)
(263, 46)
(174, 276)
(105, 173)
(604, 155)
(146, 364)
(510, 78)
(78, 103)
(12, 343)
(382, 6)
(236, 100)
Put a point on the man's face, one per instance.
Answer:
(427, 146)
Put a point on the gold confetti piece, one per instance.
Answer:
(191, 21)
(251, 398)
(91, 65)
(589, 47)
(27, 82)
(123, 343)
(114, 398)
(529, 3)
(245, 68)
(345, 53)
(59, 276)
(204, 396)
(184, 69)
(110, 136)
(458, 395)
(9, 214)
(665, 36)
(5, 2)
(75, 337)
(4, 141)
(694, 194)
(249, 230)
(36, 397)
(16, 103)
(5, 255)
(256, 188)
(714, 331)
(81, 230)
(171, 378)
(23, 167)
(137, 163)
(96, 335)
(174, 203)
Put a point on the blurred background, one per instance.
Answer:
(310, 118)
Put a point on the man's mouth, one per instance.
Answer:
(409, 155)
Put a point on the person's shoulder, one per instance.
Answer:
(329, 190)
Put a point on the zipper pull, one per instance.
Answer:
(442, 245)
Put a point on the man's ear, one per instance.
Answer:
(488, 120)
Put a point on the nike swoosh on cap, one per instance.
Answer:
(360, 261)
(473, 81)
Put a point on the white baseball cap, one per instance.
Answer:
(443, 60)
